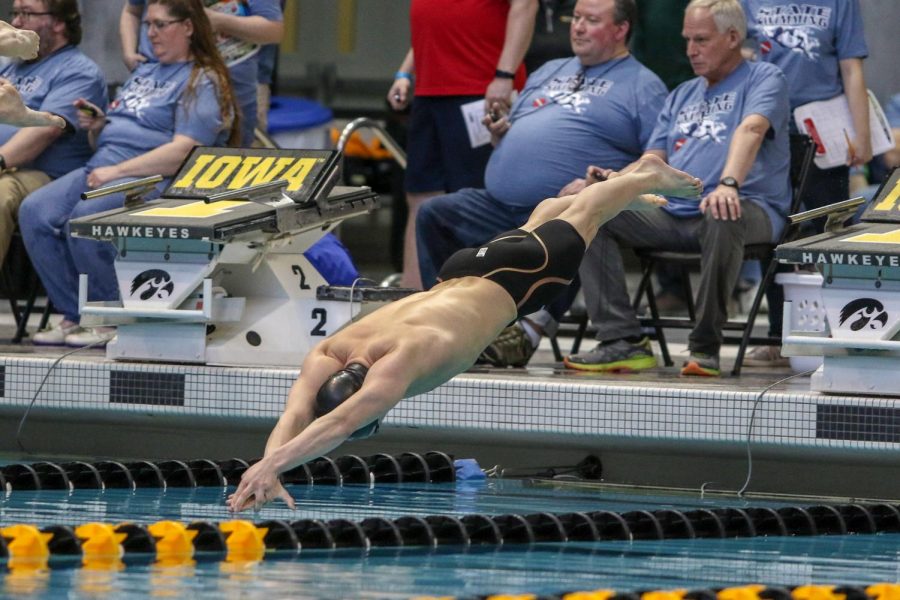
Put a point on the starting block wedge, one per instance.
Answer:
(213, 271)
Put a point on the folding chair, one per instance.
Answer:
(764, 253)
(21, 286)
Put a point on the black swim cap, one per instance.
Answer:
(337, 389)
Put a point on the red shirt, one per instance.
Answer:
(456, 45)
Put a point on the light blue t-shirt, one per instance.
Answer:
(807, 40)
(242, 58)
(52, 85)
(695, 129)
(152, 106)
(565, 121)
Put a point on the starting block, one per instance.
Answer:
(860, 267)
(213, 272)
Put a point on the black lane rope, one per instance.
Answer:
(279, 538)
(407, 467)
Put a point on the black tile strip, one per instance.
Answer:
(857, 423)
(155, 389)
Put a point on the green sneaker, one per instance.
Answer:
(512, 348)
(618, 356)
(701, 365)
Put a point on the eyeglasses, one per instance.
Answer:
(26, 14)
(159, 24)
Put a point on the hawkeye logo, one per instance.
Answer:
(230, 172)
(864, 313)
(153, 282)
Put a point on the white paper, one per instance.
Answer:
(830, 125)
(473, 113)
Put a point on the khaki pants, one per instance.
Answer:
(15, 185)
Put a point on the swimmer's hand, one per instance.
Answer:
(647, 202)
(259, 486)
(18, 43)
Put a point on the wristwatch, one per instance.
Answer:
(730, 182)
(504, 74)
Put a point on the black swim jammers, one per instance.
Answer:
(534, 267)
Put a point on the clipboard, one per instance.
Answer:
(830, 125)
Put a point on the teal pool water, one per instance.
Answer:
(386, 573)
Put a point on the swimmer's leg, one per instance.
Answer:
(548, 209)
(600, 202)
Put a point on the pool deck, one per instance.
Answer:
(650, 428)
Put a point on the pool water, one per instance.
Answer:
(542, 568)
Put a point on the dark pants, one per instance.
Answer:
(721, 243)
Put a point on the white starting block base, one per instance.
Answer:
(254, 308)
(263, 338)
(214, 272)
(863, 375)
(858, 342)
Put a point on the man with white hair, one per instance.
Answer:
(729, 127)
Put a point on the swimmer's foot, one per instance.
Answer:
(14, 112)
(17, 43)
(40, 118)
(647, 202)
(666, 180)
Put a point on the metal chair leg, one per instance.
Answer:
(557, 354)
(660, 334)
(579, 334)
(751, 316)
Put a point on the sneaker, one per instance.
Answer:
(619, 356)
(702, 365)
(55, 336)
(766, 356)
(512, 348)
(91, 336)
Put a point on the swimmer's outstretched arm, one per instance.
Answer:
(18, 43)
(300, 405)
(384, 386)
(298, 411)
